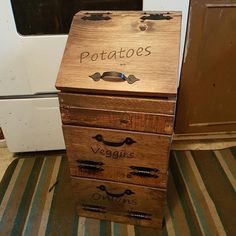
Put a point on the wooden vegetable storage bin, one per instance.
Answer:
(118, 81)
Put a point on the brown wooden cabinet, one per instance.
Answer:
(207, 93)
(118, 81)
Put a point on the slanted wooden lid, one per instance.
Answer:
(131, 53)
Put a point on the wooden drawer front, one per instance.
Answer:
(142, 161)
(118, 120)
(135, 175)
(129, 203)
(131, 116)
(145, 105)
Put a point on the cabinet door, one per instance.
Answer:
(207, 94)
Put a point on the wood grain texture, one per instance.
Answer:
(124, 103)
(140, 46)
(120, 174)
(144, 122)
(145, 48)
(149, 150)
(207, 96)
(115, 203)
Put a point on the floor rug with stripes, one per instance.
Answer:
(36, 198)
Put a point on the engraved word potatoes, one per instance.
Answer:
(114, 54)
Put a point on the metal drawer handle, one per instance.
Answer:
(90, 165)
(117, 195)
(127, 141)
(139, 215)
(114, 76)
(94, 208)
(156, 17)
(143, 172)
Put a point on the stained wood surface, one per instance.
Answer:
(120, 174)
(120, 103)
(117, 163)
(131, 43)
(134, 121)
(117, 201)
(207, 96)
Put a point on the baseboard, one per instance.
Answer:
(204, 141)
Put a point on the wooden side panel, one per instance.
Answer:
(207, 96)
(144, 122)
(150, 105)
(119, 202)
(143, 162)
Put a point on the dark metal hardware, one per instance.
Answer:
(94, 208)
(127, 141)
(90, 165)
(143, 172)
(140, 168)
(96, 16)
(139, 215)
(117, 195)
(114, 76)
(156, 17)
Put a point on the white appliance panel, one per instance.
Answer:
(31, 124)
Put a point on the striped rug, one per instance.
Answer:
(36, 199)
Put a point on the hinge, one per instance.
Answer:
(96, 16)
